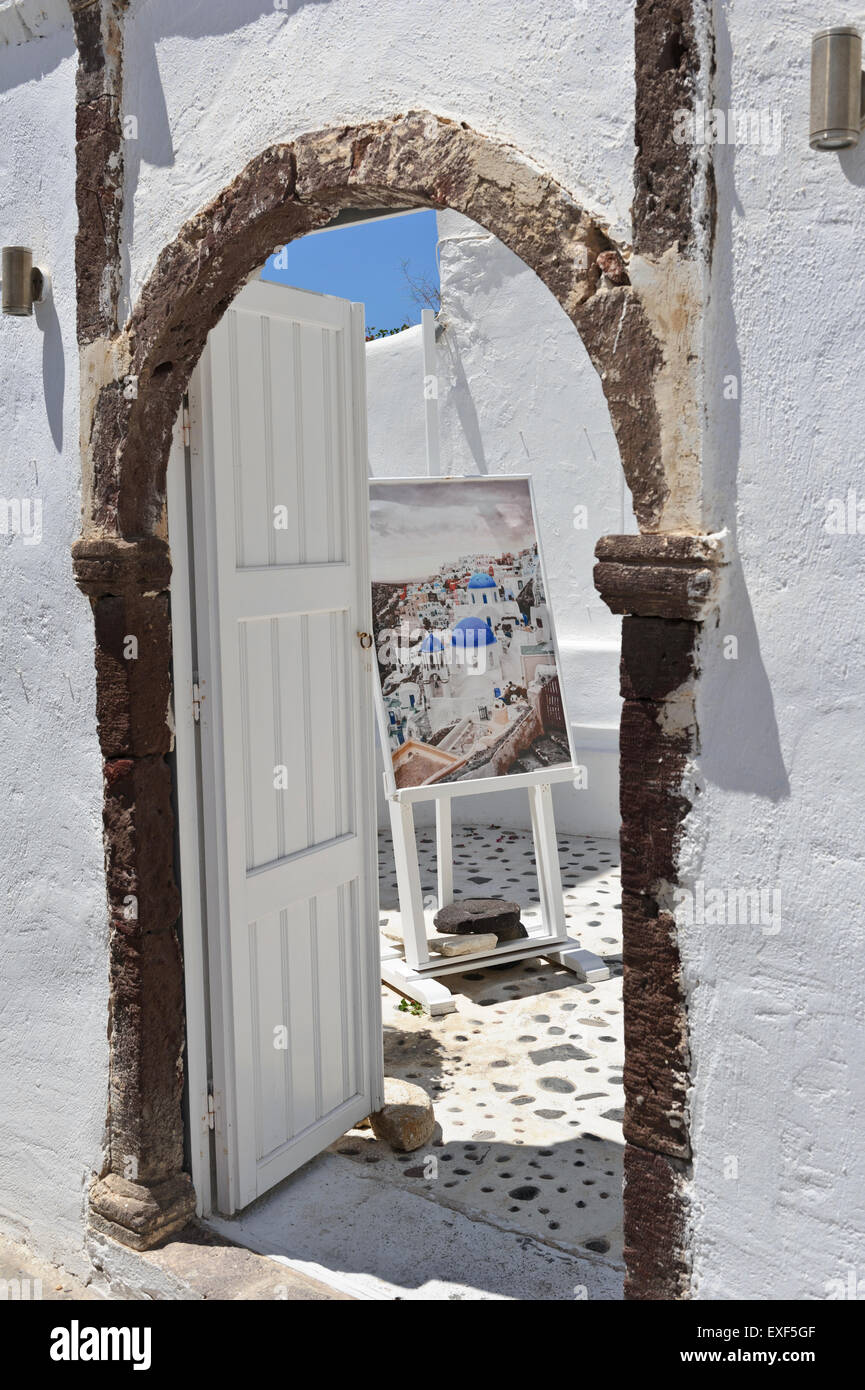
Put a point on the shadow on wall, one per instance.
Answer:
(152, 141)
(212, 17)
(23, 63)
(852, 164)
(753, 762)
(462, 397)
(53, 367)
(149, 139)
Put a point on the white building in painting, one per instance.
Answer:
(481, 590)
(484, 596)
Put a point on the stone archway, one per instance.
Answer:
(134, 379)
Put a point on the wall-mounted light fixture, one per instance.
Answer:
(24, 284)
(837, 88)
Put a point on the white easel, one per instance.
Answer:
(416, 974)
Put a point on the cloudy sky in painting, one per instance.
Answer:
(417, 527)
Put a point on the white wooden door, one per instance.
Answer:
(280, 522)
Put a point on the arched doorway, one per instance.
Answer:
(135, 383)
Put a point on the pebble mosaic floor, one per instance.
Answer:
(526, 1075)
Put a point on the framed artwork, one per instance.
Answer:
(467, 660)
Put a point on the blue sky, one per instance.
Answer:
(364, 262)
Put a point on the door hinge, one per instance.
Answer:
(184, 424)
(197, 698)
(211, 1107)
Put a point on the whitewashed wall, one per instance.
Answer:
(518, 394)
(213, 84)
(777, 1019)
(53, 962)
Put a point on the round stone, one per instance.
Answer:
(406, 1120)
(472, 915)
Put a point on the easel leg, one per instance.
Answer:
(435, 996)
(584, 964)
(547, 858)
(444, 852)
(408, 883)
(542, 881)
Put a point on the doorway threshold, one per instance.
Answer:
(345, 1228)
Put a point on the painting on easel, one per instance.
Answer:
(467, 660)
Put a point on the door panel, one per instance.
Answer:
(282, 588)
(295, 712)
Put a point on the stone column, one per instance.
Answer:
(142, 1195)
(663, 586)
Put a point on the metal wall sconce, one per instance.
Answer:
(837, 88)
(24, 284)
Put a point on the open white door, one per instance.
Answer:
(280, 527)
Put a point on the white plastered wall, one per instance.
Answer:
(53, 943)
(776, 1009)
(211, 85)
(518, 394)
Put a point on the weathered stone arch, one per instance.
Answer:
(416, 160)
(133, 379)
